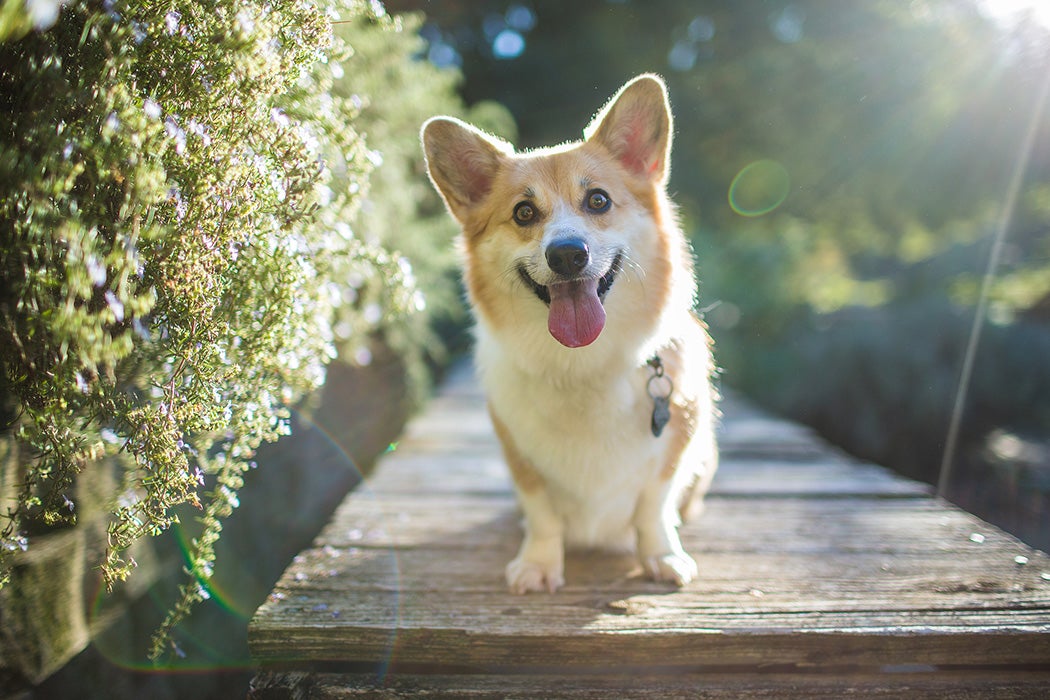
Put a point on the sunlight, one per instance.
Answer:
(1014, 11)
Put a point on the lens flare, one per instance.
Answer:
(759, 188)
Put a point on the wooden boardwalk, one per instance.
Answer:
(819, 576)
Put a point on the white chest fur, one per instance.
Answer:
(588, 437)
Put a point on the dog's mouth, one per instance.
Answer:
(542, 292)
(577, 314)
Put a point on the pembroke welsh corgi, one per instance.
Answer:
(596, 370)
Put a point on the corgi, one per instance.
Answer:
(596, 371)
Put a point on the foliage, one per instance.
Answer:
(396, 92)
(892, 385)
(18, 17)
(176, 179)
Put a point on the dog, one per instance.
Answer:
(596, 369)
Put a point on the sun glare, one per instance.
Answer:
(1013, 11)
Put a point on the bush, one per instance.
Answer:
(397, 92)
(894, 371)
(881, 378)
(175, 182)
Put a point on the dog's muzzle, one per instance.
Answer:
(576, 313)
(568, 258)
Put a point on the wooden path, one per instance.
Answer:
(820, 576)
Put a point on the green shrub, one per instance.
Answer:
(882, 377)
(895, 371)
(397, 92)
(175, 185)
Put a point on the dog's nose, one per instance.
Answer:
(568, 257)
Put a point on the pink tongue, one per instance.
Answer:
(576, 314)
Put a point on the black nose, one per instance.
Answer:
(568, 257)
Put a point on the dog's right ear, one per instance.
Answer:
(462, 162)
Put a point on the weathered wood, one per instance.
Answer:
(809, 560)
(464, 472)
(959, 685)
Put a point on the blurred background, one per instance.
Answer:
(843, 170)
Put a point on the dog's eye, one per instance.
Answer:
(598, 201)
(524, 213)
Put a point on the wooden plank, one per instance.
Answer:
(745, 582)
(762, 525)
(465, 471)
(816, 476)
(809, 560)
(958, 685)
(859, 574)
(800, 640)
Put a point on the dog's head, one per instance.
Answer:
(556, 227)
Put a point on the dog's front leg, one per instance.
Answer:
(659, 547)
(540, 564)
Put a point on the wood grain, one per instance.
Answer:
(808, 560)
(718, 686)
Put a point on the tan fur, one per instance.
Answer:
(572, 409)
(525, 476)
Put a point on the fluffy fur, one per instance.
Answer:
(547, 235)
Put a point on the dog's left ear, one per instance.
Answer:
(635, 126)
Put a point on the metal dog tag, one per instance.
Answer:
(660, 387)
(661, 414)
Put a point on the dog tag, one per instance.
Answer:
(660, 388)
(661, 414)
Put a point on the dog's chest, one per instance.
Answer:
(585, 438)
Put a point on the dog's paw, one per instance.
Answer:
(524, 576)
(678, 569)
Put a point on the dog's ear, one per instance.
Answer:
(462, 162)
(635, 126)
